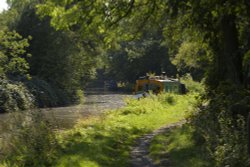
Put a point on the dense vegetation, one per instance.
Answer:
(50, 49)
(208, 36)
(52, 66)
(104, 140)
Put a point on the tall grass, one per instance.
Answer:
(107, 140)
(28, 140)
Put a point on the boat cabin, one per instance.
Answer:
(159, 84)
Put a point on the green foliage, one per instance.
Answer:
(59, 57)
(126, 87)
(29, 141)
(215, 33)
(13, 54)
(45, 95)
(220, 26)
(91, 16)
(126, 58)
(79, 97)
(134, 59)
(191, 85)
(61, 63)
(107, 140)
(192, 55)
(14, 96)
(246, 58)
(179, 148)
(232, 148)
(26, 94)
(221, 124)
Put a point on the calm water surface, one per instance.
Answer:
(96, 102)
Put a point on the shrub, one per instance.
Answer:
(24, 94)
(45, 95)
(48, 95)
(192, 85)
(14, 96)
(75, 96)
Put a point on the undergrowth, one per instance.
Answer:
(28, 140)
(221, 124)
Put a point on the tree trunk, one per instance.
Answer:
(229, 59)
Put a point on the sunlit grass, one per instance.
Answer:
(180, 149)
(107, 140)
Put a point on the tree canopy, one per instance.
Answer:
(221, 26)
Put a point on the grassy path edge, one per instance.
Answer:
(140, 152)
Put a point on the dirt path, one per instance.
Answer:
(140, 152)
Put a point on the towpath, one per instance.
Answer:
(140, 152)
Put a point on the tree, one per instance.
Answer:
(13, 65)
(221, 24)
(136, 58)
(59, 57)
(13, 55)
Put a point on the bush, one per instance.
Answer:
(78, 97)
(48, 95)
(191, 85)
(14, 96)
(24, 94)
(45, 95)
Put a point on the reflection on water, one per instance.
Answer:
(96, 102)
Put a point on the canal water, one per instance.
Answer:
(96, 102)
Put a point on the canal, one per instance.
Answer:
(96, 102)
